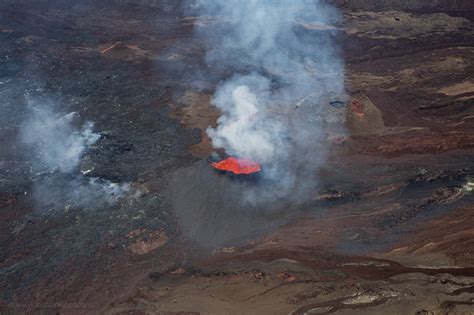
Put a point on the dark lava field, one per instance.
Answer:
(108, 204)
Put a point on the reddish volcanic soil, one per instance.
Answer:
(388, 231)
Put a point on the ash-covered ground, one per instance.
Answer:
(107, 203)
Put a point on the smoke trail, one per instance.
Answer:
(56, 143)
(280, 52)
(241, 129)
(56, 192)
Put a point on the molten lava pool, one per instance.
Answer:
(237, 166)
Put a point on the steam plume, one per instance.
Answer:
(52, 136)
(56, 144)
(280, 52)
(241, 129)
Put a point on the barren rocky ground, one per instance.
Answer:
(389, 230)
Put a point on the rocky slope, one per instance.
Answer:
(389, 230)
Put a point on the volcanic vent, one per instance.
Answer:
(235, 166)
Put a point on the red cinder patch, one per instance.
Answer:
(237, 166)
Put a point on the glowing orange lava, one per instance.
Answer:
(237, 166)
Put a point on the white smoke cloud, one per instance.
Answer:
(243, 128)
(276, 61)
(58, 192)
(56, 143)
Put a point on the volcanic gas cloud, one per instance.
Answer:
(54, 146)
(276, 58)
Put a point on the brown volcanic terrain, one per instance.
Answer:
(389, 231)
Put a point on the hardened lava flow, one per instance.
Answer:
(363, 201)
